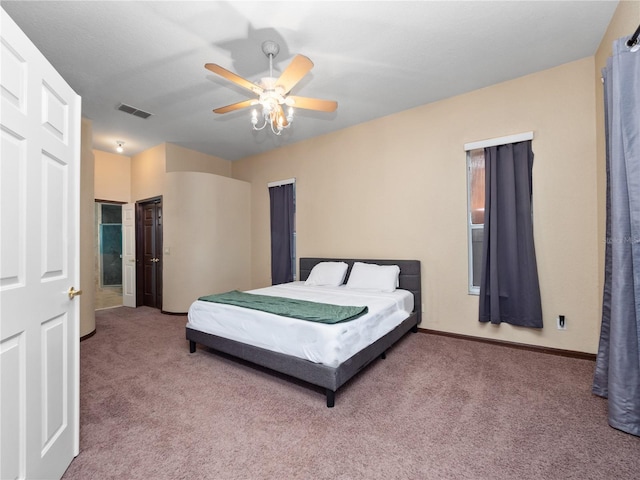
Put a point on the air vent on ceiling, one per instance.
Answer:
(133, 111)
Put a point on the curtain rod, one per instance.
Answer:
(279, 183)
(633, 41)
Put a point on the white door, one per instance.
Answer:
(129, 255)
(39, 232)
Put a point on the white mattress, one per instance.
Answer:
(317, 342)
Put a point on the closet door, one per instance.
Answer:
(150, 271)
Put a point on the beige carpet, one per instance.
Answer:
(436, 408)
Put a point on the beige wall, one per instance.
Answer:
(206, 222)
(87, 245)
(112, 179)
(207, 237)
(180, 159)
(149, 168)
(148, 171)
(396, 188)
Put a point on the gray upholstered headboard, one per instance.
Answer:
(409, 274)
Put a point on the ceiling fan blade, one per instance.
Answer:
(314, 103)
(237, 79)
(234, 106)
(298, 68)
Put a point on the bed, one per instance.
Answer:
(329, 372)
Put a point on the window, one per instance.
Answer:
(283, 231)
(476, 202)
(475, 210)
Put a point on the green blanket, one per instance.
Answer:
(289, 307)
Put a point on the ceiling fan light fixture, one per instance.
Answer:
(273, 93)
(273, 116)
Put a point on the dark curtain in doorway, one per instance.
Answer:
(509, 288)
(617, 373)
(282, 218)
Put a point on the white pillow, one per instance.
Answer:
(369, 276)
(329, 274)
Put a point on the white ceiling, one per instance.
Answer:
(374, 58)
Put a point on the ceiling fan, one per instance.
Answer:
(273, 93)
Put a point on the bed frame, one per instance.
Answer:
(330, 378)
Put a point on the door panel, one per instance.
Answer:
(54, 410)
(149, 255)
(12, 208)
(150, 274)
(54, 219)
(39, 342)
(13, 383)
(128, 255)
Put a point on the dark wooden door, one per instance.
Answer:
(149, 288)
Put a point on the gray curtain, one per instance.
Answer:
(282, 218)
(617, 373)
(509, 288)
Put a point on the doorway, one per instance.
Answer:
(108, 254)
(149, 252)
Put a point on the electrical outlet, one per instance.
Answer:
(561, 322)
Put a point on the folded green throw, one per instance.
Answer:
(289, 307)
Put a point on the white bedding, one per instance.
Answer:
(317, 342)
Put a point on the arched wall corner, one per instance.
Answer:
(206, 237)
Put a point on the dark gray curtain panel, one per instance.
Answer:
(617, 372)
(509, 288)
(282, 218)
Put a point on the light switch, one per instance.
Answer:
(167, 251)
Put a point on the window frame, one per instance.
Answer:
(472, 289)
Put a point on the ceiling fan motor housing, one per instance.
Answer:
(269, 47)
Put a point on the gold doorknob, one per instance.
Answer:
(73, 292)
